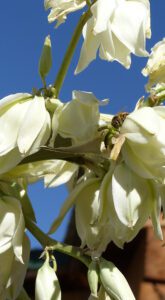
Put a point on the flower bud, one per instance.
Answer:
(45, 62)
(47, 286)
(93, 277)
(114, 281)
(155, 67)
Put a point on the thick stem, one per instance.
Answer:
(51, 244)
(69, 53)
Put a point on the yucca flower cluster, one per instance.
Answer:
(114, 166)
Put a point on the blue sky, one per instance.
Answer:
(23, 27)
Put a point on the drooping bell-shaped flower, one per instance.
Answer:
(54, 172)
(144, 147)
(127, 202)
(79, 118)
(26, 127)
(13, 255)
(93, 234)
(155, 67)
(117, 28)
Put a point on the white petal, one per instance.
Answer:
(102, 11)
(61, 176)
(70, 201)
(9, 160)
(10, 120)
(11, 99)
(130, 195)
(89, 47)
(144, 117)
(131, 14)
(18, 272)
(32, 124)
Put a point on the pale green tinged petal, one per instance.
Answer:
(6, 260)
(18, 236)
(144, 170)
(47, 286)
(70, 201)
(130, 195)
(119, 208)
(11, 117)
(32, 124)
(87, 214)
(18, 272)
(83, 111)
(62, 175)
(12, 226)
(13, 98)
(9, 160)
(43, 135)
(54, 125)
(156, 209)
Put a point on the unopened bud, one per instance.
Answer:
(93, 277)
(114, 282)
(45, 62)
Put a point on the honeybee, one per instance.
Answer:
(118, 120)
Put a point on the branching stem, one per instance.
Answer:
(51, 244)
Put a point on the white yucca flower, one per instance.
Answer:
(60, 9)
(128, 200)
(117, 28)
(155, 67)
(25, 126)
(144, 147)
(14, 248)
(79, 118)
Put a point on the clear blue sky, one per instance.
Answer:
(23, 27)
